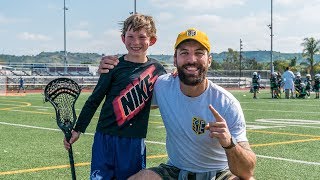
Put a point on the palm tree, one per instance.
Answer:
(311, 46)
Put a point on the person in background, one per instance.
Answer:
(280, 83)
(205, 125)
(21, 85)
(316, 86)
(118, 149)
(297, 84)
(259, 80)
(274, 86)
(308, 83)
(255, 84)
(288, 84)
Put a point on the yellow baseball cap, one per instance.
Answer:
(194, 34)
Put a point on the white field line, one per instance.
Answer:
(52, 129)
(276, 125)
(302, 123)
(42, 108)
(279, 102)
(290, 160)
(244, 109)
(155, 142)
(271, 110)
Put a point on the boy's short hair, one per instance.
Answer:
(139, 21)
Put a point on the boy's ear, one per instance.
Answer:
(122, 38)
(153, 40)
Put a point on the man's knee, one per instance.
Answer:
(145, 174)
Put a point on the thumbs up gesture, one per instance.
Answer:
(219, 129)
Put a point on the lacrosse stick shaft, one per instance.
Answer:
(73, 171)
(71, 160)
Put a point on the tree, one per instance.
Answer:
(231, 62)
(280, 65)
(215, 65)
(311, 46)
(252, 63)
(293, 62)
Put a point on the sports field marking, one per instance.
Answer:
(280, 102)
(290, 121)
(41, 108)
(315, 138)
(281, 111)
(283, 133)
(43, 168)
(312, 137)
(53, 129)
(272, 126)
(290, 160)
(276, 123)
(262, 127)
(62, 166)
(23, 104)
(28, 126)
(148, 157)
(285, 142)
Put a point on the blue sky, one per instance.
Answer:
(28, 27)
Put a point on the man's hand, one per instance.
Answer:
(74, 137)
(219, 129)
(107, 63)
(241, 160)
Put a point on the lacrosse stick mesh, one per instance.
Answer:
(62, 93)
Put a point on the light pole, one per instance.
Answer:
(271, 29)
(135, 7)
(65, 43)
(240, 57)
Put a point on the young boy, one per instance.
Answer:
(316, 85)
(255, 84)
(297, 84)
(118, 149)
(274, 85)
(308, 84)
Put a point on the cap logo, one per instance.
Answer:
(191, 32)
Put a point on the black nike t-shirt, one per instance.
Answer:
(127, 90)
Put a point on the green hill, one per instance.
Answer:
(94, 58)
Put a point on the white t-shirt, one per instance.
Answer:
(288, 78)
(189, 146)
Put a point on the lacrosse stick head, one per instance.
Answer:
(62, 93)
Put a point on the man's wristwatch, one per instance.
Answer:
(233, 143)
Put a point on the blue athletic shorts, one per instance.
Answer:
(115, 157)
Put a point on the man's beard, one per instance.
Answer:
(190, 79)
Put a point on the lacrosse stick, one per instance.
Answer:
(62, 93)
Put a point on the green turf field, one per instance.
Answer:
(284, 133)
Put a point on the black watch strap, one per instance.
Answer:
(233, 144)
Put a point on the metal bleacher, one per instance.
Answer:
(36, 76)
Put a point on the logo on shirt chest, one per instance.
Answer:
(134, 97)
(198, 125)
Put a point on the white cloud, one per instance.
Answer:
(108, 42)
(197, 5)
(33, 37)
(9, 20)
(79, 34)
(293, 3)
(83, 24)
(164, 17)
